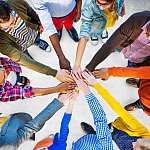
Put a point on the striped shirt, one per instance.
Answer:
(24, 35)
(102, 140)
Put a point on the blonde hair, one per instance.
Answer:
(144, 144)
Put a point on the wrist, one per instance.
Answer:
(86, 91)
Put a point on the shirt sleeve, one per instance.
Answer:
(126, 117)
(38, 122)
(141, 72)
(45, 17)
(64, 131)
(102, 131)
(86, 19)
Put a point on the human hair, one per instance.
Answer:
(110, 1)
(5, 11)
(144, 144)
(148, 27)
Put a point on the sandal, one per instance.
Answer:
(23, 81)
(43, 45)
(132, 82)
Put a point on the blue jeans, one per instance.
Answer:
(20, 127)
(123, 140)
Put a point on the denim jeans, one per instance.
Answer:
(20, 127)
(123, 140)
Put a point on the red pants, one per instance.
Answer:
(67, 21)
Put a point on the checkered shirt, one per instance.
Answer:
(102, 140)
(10, 65)
(8, 92)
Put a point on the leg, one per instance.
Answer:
(59, 25)
(68, 23)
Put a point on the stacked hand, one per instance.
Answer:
(101, 73)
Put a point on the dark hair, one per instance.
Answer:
(5, 11)
(144, 148)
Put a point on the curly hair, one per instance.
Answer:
(5, 11)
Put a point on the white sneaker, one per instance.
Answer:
(94, 41)
(104, 36)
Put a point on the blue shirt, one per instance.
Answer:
(60, 140)
(102, 140)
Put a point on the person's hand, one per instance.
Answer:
(80, 83)
(66, 87)
(77, 16)
(64, 98)
(76, 69)
(64, 64)
(123, 11)
(89, 78)
(64, 76)
(41, 29)
(74, 96)
(101, 73)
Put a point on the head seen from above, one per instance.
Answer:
(142, 144)
(6, 17)
(103, 4)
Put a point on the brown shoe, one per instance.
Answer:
(132, 82)
(131, 107)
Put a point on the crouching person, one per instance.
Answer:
(21, 127)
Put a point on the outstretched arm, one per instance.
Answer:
(38, 122)
(105, 73)
(49, 28)
(126, 117)
(102, 131)
(115, 41)
(64, 129)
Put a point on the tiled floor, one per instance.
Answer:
(117, 86)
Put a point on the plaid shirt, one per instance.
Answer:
(102, 140)
(10, 65)
(8, 92)
(13, 93)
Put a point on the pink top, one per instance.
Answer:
(139, 50)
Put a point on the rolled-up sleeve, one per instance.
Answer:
(45, 17)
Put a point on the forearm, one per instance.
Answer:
(55, 42)
(70, 107)
(141, 72)
(22, 59)
(45, 91)
(80, 51)
(96, 108)
(79, 5)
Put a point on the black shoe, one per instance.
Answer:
(73, 34)
(43, 45)
(87, 128)
(27, 53)
(59, 34)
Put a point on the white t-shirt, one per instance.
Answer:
(46, 9)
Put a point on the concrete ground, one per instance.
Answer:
(116, 86)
